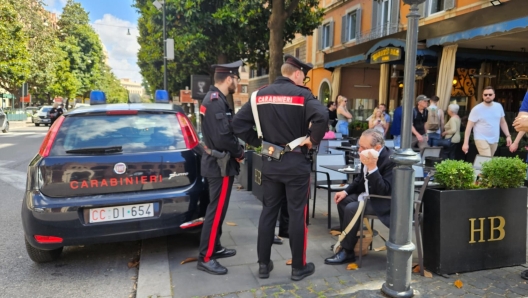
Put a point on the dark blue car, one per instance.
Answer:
(109, 173)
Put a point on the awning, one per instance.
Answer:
(345, 61)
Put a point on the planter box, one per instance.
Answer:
(256, 187)
(245, 177)
(468, 230)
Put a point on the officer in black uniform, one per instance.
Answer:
(217, 135)
(286, 108)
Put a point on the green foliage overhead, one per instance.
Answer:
(503, 172)
(113, 89)
(15, 61)
(209, 32)
(455, 174)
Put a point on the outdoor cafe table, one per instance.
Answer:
(350, 174)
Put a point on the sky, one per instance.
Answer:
(112, 19)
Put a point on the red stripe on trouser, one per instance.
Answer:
(216, 221)
(305, 227)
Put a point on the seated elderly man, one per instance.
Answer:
(378, 172)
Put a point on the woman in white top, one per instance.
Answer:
(452, 130)
(377, 121)
(343, 116)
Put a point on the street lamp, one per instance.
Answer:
(400, 245)
(160, 5)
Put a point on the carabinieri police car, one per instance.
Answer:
(113, 172)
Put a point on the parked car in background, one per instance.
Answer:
(116, 172)
(42, 117)
(4, 124)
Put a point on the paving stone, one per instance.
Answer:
(476, 291)
(305, 294)
(496, 290)
(230, 296)
(287, 295)
(519, 290)
(247, 294)
(501, 285)
(271, 291)
(288, 287)
(493, 295)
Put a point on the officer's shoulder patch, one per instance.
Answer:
(214, 96)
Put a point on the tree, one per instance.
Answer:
(66, 83)
(15, 63)
(111, 86)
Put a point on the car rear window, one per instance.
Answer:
(134, 133)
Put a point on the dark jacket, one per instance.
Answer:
(216, 116)
(380, 183)
(286, 111)
(419, 120)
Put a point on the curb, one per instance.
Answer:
(154, 278)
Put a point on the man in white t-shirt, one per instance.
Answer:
(485, 120)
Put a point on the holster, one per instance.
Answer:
(272, 150)
(223, 163)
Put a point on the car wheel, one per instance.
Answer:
(6, 128)
(37, 124)
(42, 256)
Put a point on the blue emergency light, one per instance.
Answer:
(97, 97)
(161, 96)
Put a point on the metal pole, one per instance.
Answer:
(164, 50)
(399, 245)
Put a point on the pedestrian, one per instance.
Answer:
(286, 110)
(377, 121)
(54, 113)
(435, 121)
(486, 120)
(452, 131)
(395, 129)
(216, 116)
(332, 115)
(419, 137)
(343, 116)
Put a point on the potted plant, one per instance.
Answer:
(470, 225)
(256, 188)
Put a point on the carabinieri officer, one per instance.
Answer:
(217, 135)
(286, 110)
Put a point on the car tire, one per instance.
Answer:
(40, 255)
(37, 124)
(6, 128)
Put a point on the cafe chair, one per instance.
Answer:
(367, 217)
(389, 144)
(329, 180)
(430, 151)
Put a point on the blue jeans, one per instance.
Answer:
(342, 127)
(432, 137)
(397, 141)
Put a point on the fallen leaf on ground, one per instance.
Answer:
(428, 274)
(239, 187)
(414, 265)
(325, 213)
(381, 248)
(352, 266)
(230, 223)
(335, 233)
(416, 269)
(458, 283)
(288, 262)
(133, 264)
(188, 260)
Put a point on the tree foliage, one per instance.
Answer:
(209, 32)
(111, 86)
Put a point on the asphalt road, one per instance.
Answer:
(89, 271)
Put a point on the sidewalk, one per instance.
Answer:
(16, 124)
(328, 281)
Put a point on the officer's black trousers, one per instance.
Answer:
(296, 189)
(347, 208)
(219, 193)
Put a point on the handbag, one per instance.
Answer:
(442, 143)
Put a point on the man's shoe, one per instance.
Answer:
(212, 267)
(277, 240)
(224, 253)
(298, 274)
(264, 269)
(341, 257)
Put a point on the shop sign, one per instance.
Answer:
(385, 55)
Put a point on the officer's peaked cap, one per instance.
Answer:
(305, 67)
(231, 68)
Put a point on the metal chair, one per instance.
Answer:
(430, 151)
(329, 180)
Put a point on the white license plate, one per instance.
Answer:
(121, 212)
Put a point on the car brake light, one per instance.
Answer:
(124, 112)
(45, 148)
(189, 134)
(48, 239)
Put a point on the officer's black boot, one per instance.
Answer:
(298, 274)
(212, 267)
(265, 269)
(224, 253)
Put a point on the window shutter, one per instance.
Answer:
(320, 38)
(395, 16)
(449, 4)
(331, 33)
(375, 9)
(358, 23)
(421, 9)
(344, 28)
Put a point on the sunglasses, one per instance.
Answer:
(306, 80)
(488, 94)
(236, 78)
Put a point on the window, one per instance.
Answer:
(326, 36)
(244, 89)
(351, 25)
(434, 6)
(297, 52)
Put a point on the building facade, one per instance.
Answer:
(132, 87)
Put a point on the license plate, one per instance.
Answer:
(121, 212)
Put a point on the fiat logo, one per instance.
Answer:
(120, 168)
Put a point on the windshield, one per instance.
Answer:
(133, 133)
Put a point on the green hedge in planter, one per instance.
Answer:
(503, 172)
(455, 174)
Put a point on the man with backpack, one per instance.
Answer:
(435, 121)
(419, 119)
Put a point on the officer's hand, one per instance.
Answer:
(239, 159)
(339, 196)
(307, 142)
